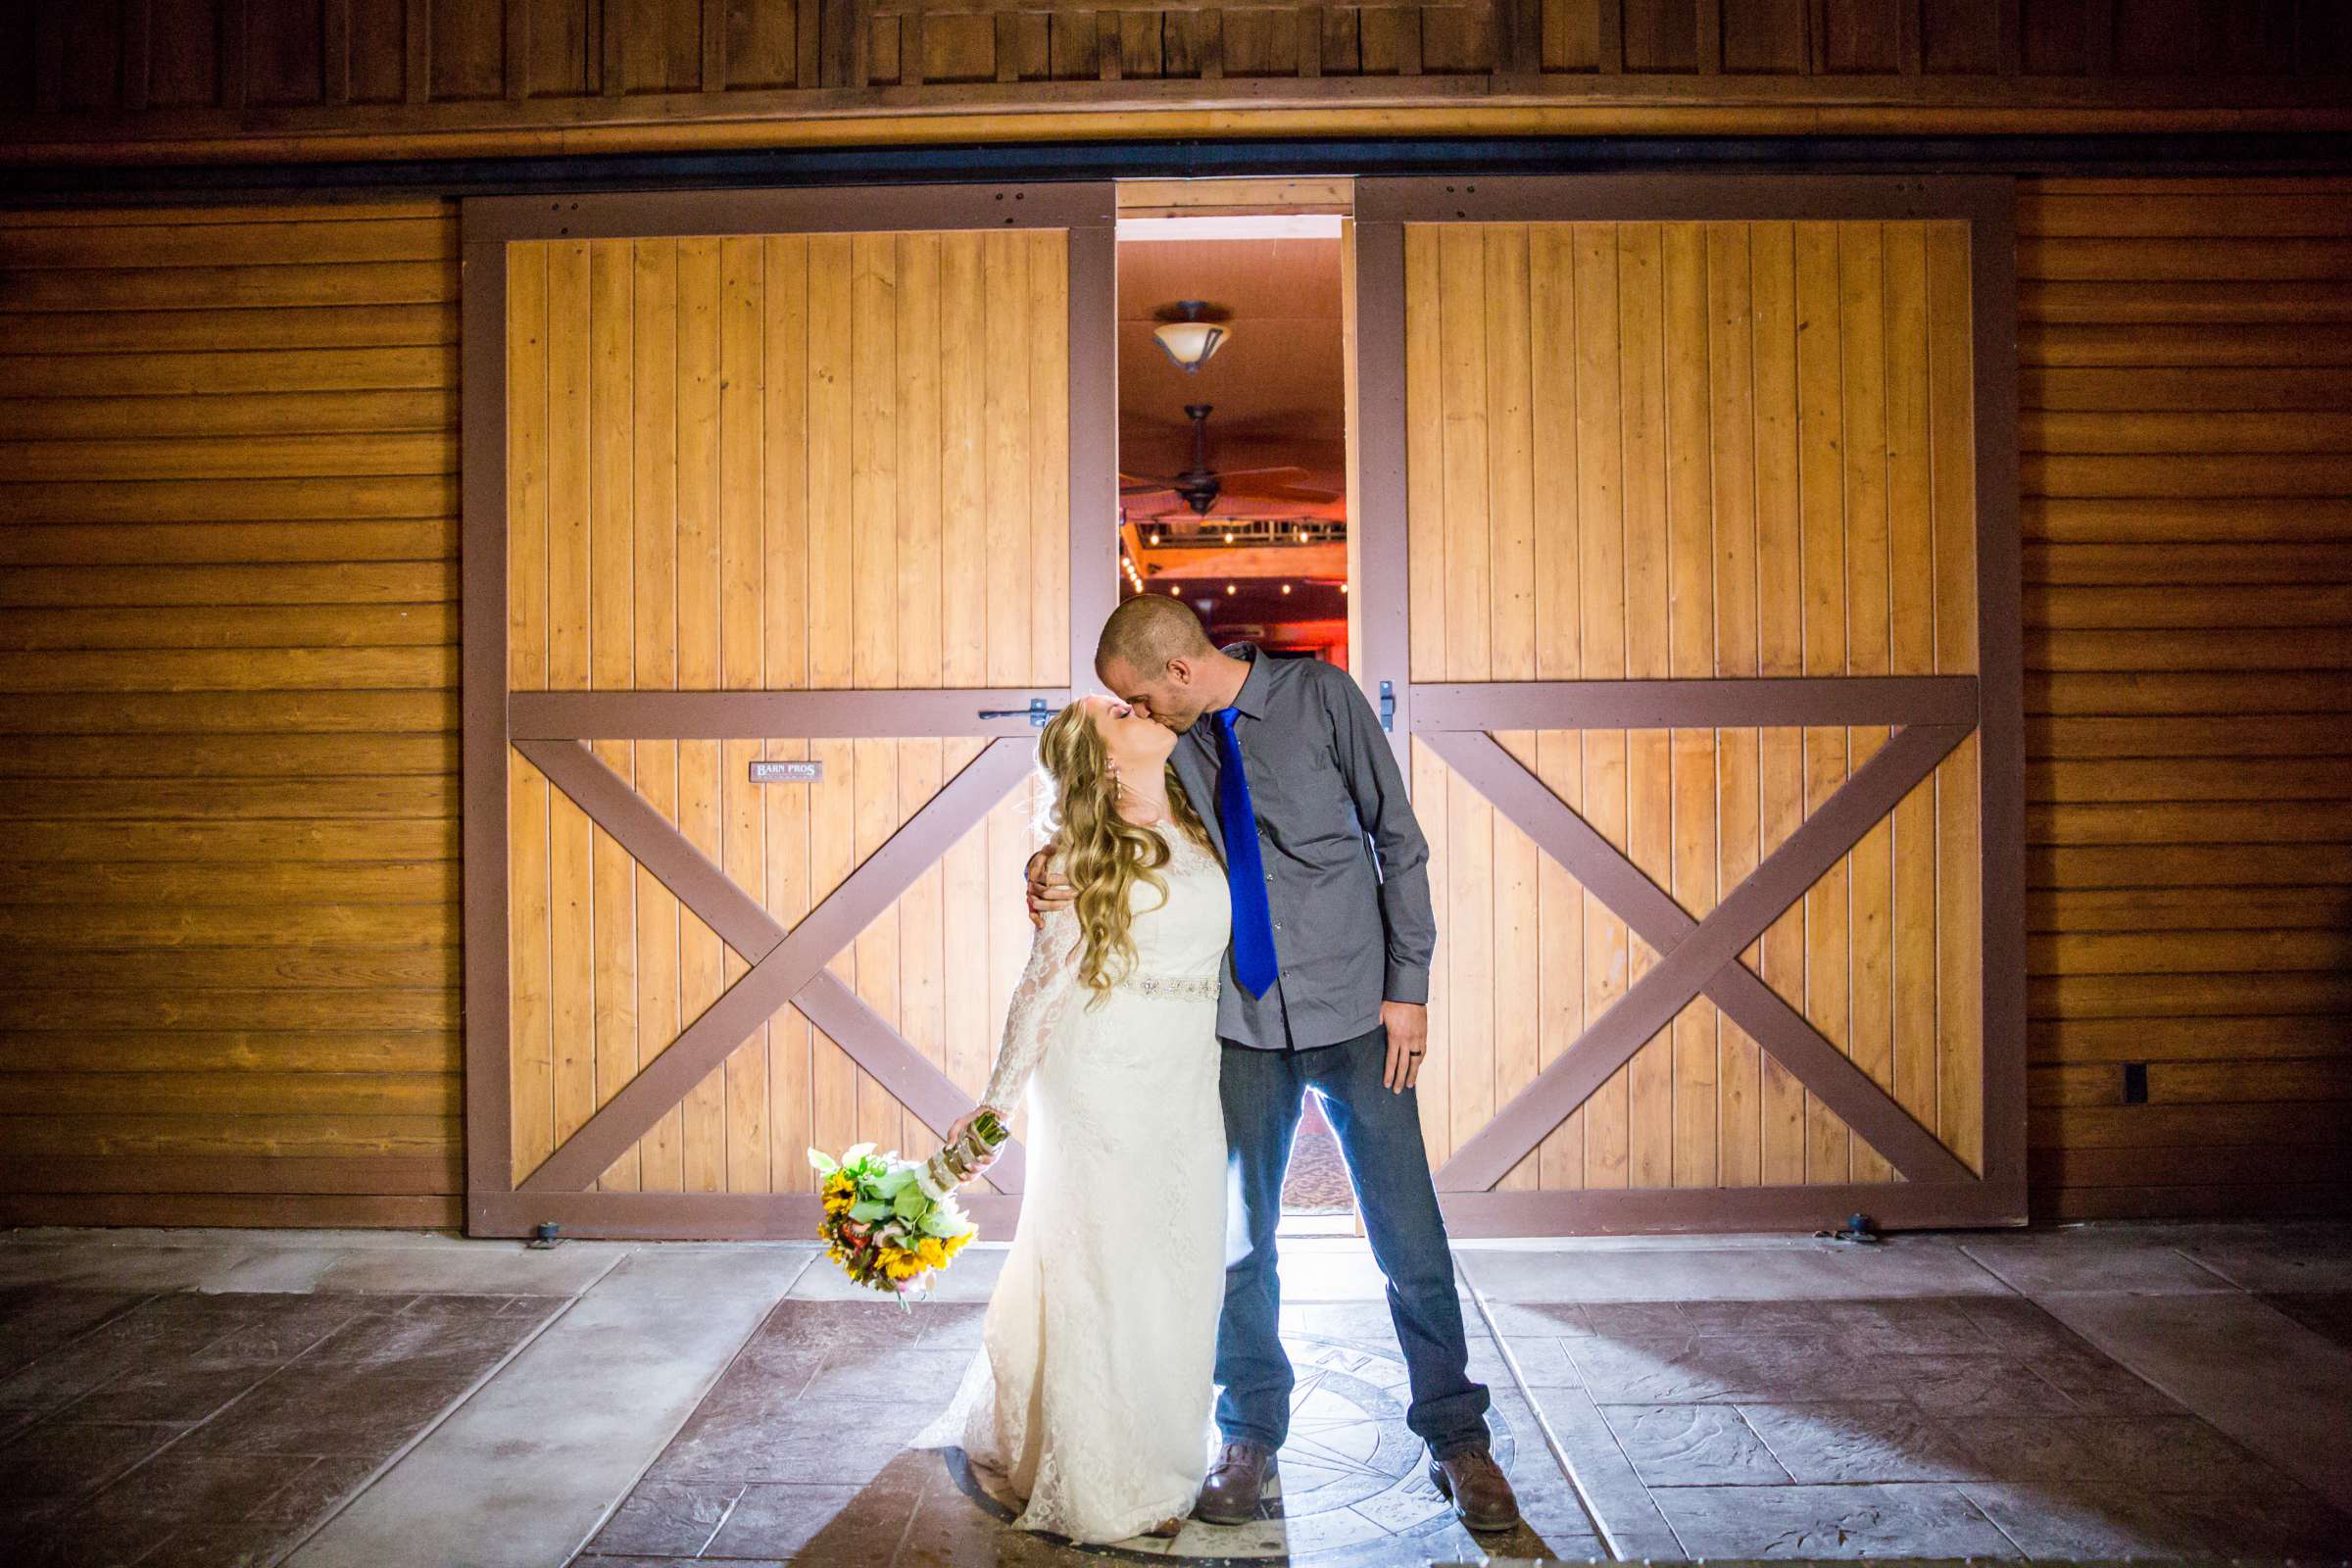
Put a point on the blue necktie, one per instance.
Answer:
(1253, 961)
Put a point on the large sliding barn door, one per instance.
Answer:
(772, 506)
(1689, 562)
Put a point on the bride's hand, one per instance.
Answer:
(962, 1125)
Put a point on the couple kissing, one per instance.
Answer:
(1232, 908)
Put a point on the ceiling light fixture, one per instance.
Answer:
(1190, 341)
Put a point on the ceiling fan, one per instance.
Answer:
(1201, 485)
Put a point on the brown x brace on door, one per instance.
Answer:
(765, 486)
(1688, 579)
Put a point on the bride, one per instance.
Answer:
(1091, 1400)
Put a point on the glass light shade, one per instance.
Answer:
(1189, 343)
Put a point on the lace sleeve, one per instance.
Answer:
(1039, 1004)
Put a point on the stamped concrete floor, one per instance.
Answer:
(189, 1397)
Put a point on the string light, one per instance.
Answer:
(1343, 587)
(1230, 590)
(1156, 536)
(1286, 587)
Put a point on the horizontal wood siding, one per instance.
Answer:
(2188, 471)
(228, 685)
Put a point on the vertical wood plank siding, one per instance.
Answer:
(1694, 451)
(650, 69)
(847, 473)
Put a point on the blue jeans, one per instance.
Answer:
(1380, 1133)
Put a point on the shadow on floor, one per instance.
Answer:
(782, 1463)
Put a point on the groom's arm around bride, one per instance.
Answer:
(1325, 987)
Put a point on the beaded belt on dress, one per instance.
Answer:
(1195, 988)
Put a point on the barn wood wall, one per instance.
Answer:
(230, 989)
(100, 81)
(2186, 352)
(230, 904)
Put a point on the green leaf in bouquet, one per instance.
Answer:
(869, 1211)
(824, 1163)
(856, 1153)
(894, 1181)
(944, 1222)
(910, 1203)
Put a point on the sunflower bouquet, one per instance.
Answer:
(888, 1222)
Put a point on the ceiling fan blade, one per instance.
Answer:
(1282, 492)
(1276, 467)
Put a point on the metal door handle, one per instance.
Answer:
(1037, 713)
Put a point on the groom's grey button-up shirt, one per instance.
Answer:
(1349, 932)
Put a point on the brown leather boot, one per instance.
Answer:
(1235, 1483)
(1475, 1484)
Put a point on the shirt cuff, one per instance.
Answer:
(1406, 984)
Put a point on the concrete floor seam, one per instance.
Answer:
(1551, 1438)
(654, 1457)
(448, 1411)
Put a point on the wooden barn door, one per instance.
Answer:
(783, 513)
(1689, 567)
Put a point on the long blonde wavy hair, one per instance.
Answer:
(1101, 854)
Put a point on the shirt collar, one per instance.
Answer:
(1251, 698)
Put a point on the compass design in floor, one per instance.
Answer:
(1352, 1472)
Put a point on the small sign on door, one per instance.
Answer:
(782, 772)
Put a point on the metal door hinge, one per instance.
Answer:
(1037, 713)
(1387, 706)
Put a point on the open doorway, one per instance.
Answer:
(1233, 466)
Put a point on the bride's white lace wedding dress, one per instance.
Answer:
(1092, 1396)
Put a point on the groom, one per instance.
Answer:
(1326, 985)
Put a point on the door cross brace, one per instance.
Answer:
(1698, 958)
(786, 965)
